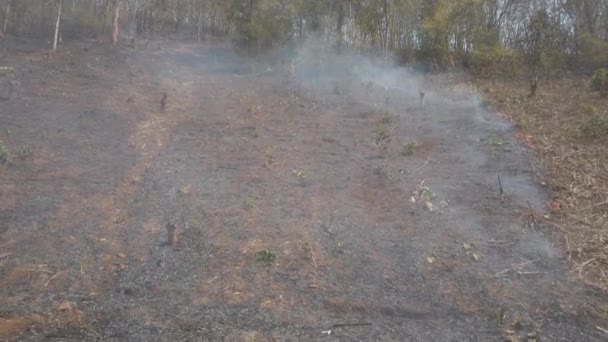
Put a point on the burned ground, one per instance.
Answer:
(304, 202)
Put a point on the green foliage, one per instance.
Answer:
(593, 51)
(408, 149)
(492, 60)
(261, 23)
(436, 23)
(599, 81)
(544, 43)
(5, 153)
(266, 256)
(595, 128)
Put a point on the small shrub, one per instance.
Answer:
(408, 149)
(266, 256)
(599, 81)
(5, 154)
(595, 128)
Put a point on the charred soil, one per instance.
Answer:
(302, 213)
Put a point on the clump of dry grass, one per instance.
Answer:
(595, 127)
(568, 127)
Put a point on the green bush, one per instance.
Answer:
(599, 81)
(5, 154)
(266, 256)
(492, 60)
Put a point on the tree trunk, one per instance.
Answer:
(386, 32)
(56, 37)
(7, 13)
(115, 23)
(339, 27)
(200, 26)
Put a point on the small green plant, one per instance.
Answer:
(25, 151)
(266, 256)
(5, 153)
(408, 149)
(599, 81)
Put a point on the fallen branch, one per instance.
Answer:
(518, 268)
(602, 329)
(53, 277)
(338, 325)
(578, 219)
(582, 266)
(423, 166)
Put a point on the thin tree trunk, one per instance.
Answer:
(7, 13)
(56, 37)
(340, 26)
(200, 25)
(115, 23)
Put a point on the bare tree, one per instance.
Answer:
(56, 36)
(115, 22)
(7, 13)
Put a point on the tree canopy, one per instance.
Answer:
(546, 35)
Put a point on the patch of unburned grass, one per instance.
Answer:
(266, 257)
(567, 127)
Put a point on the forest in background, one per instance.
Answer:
(485, 37)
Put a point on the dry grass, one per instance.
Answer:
(567, 125)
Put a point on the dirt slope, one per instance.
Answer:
(379, 212)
